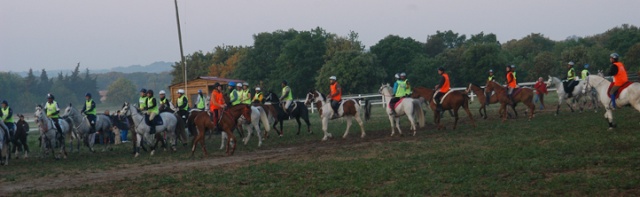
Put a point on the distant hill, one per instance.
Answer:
(155, 67)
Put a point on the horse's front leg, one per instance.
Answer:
(137, 144)
(609, 116)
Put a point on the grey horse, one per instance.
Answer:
(81, 128)
(48, 134)
(169, 125)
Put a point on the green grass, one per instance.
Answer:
(568, 155)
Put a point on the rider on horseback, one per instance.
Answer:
(183, 105)
(164, 101)
(257, 99)
(585, 72)
(571, 82)
(287, 96)
(335, 95)
(89, 109)
(142, 101)
(246, 94)
(403, 90)
(216, 104)
(52, 110)
(619, 74)
(6, 113)
(152, 110)
(395, 84)
(200, 102)
(444, 86)
(511, 82)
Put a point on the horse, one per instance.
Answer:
(82, 127)
(4, 144)
(564, 96)
(20, 142)
(276, 112)
(257, 114)
(482, 98)
(628, 96)
(227, 123)
(524, 95)
(349, 108)
(407, 106)
(49, 139)
(142, 129)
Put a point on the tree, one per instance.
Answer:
(394, 52)
(545, 64)
(120, 91)
(632, 58)
(440, 41)
(225, 60)
(356, 72)
(197, 65)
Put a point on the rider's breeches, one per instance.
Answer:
(55, 122)
(438, 97)
(510, 91)
(92, 121)
(613, 90)
(287, 104)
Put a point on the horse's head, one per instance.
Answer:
(246, 112)
(313, 96)
(125, 109)
(69, 111)
(385, 89)
(490, 87)
(271, 97)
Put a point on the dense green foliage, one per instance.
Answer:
(307, 58)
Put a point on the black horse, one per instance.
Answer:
(299, 110)
(20, 138)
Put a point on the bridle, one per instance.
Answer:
(384, 87)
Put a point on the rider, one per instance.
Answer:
(444, 86)
(142, 101)
(6, 113)
(183, 105)
(395, 84)
(152, 110)
(511, 82)
(287, 96)
(52, 110)
(404, 90)
(258, 97)
(585, 72)
(335, 95)
(246, 94)
(199, 104)
(164, 101)
(491, 77)
(216, 104)
(89, 109)
(236, 94)
(619, 74)
(571, 82)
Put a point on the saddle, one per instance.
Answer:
(515, 91)
(624, 86)
(336, 106)
(568, 85)
(443, 96)
(156, 120)
(393, 107)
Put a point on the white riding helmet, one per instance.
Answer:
(239, 85)
(571, 63)
(161, 92)
(403, 74)
(180, 91)
(245, 84)
(257, 88)
(397, 76)
(332, 78)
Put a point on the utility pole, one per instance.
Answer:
(184, 63)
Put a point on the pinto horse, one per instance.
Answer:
(407, 106)
(628, 96)
(349, 109)
(228, 122)
(482, 98)
(524, 95)
(452, 100)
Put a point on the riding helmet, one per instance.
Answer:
(332, 78)
(5, 102)
(50, 96)
(285, 82)
(403, 74)
(215, 85)
(87, 94)
(615, 56)
(231, 84)
(239, 85)
(143, 90)
(586, 66)
(441, 68)
(161, 92)
(180, 91)
(150, 92)
(571, 63)
(245, 84)
(257, 88)
(490, 70)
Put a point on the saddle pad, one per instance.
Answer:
(625, 85)
(396, 104)
(443, 96)
(156, 120)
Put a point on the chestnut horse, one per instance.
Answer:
(524, 95)
(482, 98)
(452, 100)
(227, 123)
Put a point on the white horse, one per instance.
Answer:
(257, 114)
(4, 144)
(628, 96)
(81, 128)
(142, 129)
(349, 108)
(564, 96)
(48, 135)
(407, 106)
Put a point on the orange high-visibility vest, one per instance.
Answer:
(334, 89)
(446, 86)
(511, 80)
(621, 77)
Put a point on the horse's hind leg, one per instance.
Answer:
(299, 125)
(359, 120)
(346, 132)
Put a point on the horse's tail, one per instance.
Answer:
(264, 119)
(417, 108)
(367, 110)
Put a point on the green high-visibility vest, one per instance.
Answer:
(490, 78)
(514, 75)
(235, 96)
(51, 108)
(154, 109)
(289, 96)
(5, 114)
(585, 73)
(200, 103)
(87, 105)
(257, 97)
(181, 101)
(570, 75)
(402, 89)
(246, 98)
(143, 102)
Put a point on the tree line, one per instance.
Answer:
(306, 59)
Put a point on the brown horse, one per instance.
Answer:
(227, 123)
(452, 100)
(479, 92)
(524, 95)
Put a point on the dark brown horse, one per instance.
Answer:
(524, 95)
(452, 100)
(20, 138)
(227, 123)
(482, 98)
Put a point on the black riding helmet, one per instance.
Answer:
(285, 82)
(143, 90)
(150, 92)
(441, 69)
(216, 85)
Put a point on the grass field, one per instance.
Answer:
(568, 155)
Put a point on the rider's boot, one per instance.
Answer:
(439, 107)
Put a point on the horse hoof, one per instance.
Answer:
(136, 155)
(362, 136)
(153, 152)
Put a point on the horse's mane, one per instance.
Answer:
(477, 85)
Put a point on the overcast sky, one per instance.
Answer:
(109, 33)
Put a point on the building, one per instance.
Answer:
(204, 83)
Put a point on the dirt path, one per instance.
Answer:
(131, 171)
